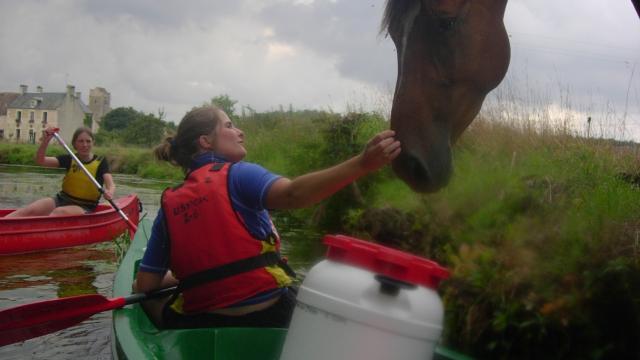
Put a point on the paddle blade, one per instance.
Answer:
(32, 320)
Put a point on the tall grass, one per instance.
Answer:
(540, 225)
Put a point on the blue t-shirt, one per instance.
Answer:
(248, 187)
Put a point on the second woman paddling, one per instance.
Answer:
(79, 194)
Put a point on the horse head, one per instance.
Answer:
(451, 54)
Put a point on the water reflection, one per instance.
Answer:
(42, 276)
(300, 244)
(90, 269)
(28, 278)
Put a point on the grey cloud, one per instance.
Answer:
(175, 54)
(345, 30)
(162, 13)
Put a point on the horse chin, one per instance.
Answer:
(423, 176)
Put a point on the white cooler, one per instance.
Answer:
(366, 302)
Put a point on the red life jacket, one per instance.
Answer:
(207, 234)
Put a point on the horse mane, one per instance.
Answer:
(394, 14)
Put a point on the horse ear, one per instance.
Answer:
(636, 4)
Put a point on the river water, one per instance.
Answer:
(89, 269)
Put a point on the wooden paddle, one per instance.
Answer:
(32, 320)
(133, 226)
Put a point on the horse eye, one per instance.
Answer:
(447, 24)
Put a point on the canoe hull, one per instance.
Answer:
(134, 336)
(38, 233)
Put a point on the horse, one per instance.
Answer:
(451, 54)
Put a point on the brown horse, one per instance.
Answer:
(451, 54)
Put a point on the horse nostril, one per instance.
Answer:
(417, 170)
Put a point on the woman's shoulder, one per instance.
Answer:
(64, 160)
(248, 183)
(244, 167)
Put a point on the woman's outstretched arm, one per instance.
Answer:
(313, 187)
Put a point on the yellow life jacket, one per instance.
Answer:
(78, 186)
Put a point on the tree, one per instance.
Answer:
(225, 103)
(146, 130)
(87, 121)
(119, 118)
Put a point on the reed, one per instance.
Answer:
(540, 229)
(539, 225)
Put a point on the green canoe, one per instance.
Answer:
(135, 337)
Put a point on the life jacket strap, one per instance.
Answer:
(234, 268)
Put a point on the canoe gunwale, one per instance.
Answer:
(40, 233)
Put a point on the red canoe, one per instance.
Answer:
(37, 233)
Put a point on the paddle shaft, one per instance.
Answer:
(133, 226)
(136, 298)
(28, 321)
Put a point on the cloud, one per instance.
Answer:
(164, 54)
(344, 30)
(585, 53)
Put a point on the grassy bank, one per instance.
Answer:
(539, 228)
(541, 236)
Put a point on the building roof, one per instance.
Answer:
(85, 108)
(38, 101)
(42, 101)
(5, 99)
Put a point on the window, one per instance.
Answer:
(32, 116)
(44, 117)
(1, 134)
(17, 134)
(32, 137)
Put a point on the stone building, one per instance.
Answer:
(29, 113)
(100, 105)
(5, 99)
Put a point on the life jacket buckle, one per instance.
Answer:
(271, 239)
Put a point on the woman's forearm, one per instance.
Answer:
(313, 187)
(146, 281)
(109, 187)
(42, 150)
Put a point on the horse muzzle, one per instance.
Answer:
(427, 173)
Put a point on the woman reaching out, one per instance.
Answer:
(213, 235)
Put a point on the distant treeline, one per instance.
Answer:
(538, 227)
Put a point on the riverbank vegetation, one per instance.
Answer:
(540, 228)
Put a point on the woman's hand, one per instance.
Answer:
(109, 187)
(380, 150)
(48, 133)
(107, 194)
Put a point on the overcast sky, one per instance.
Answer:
(323, 54)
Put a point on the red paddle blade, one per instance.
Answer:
(32, 320)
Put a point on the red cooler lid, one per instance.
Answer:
(384, 260)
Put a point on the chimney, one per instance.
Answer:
(23, 89)
(39, 89)
(70, 90)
